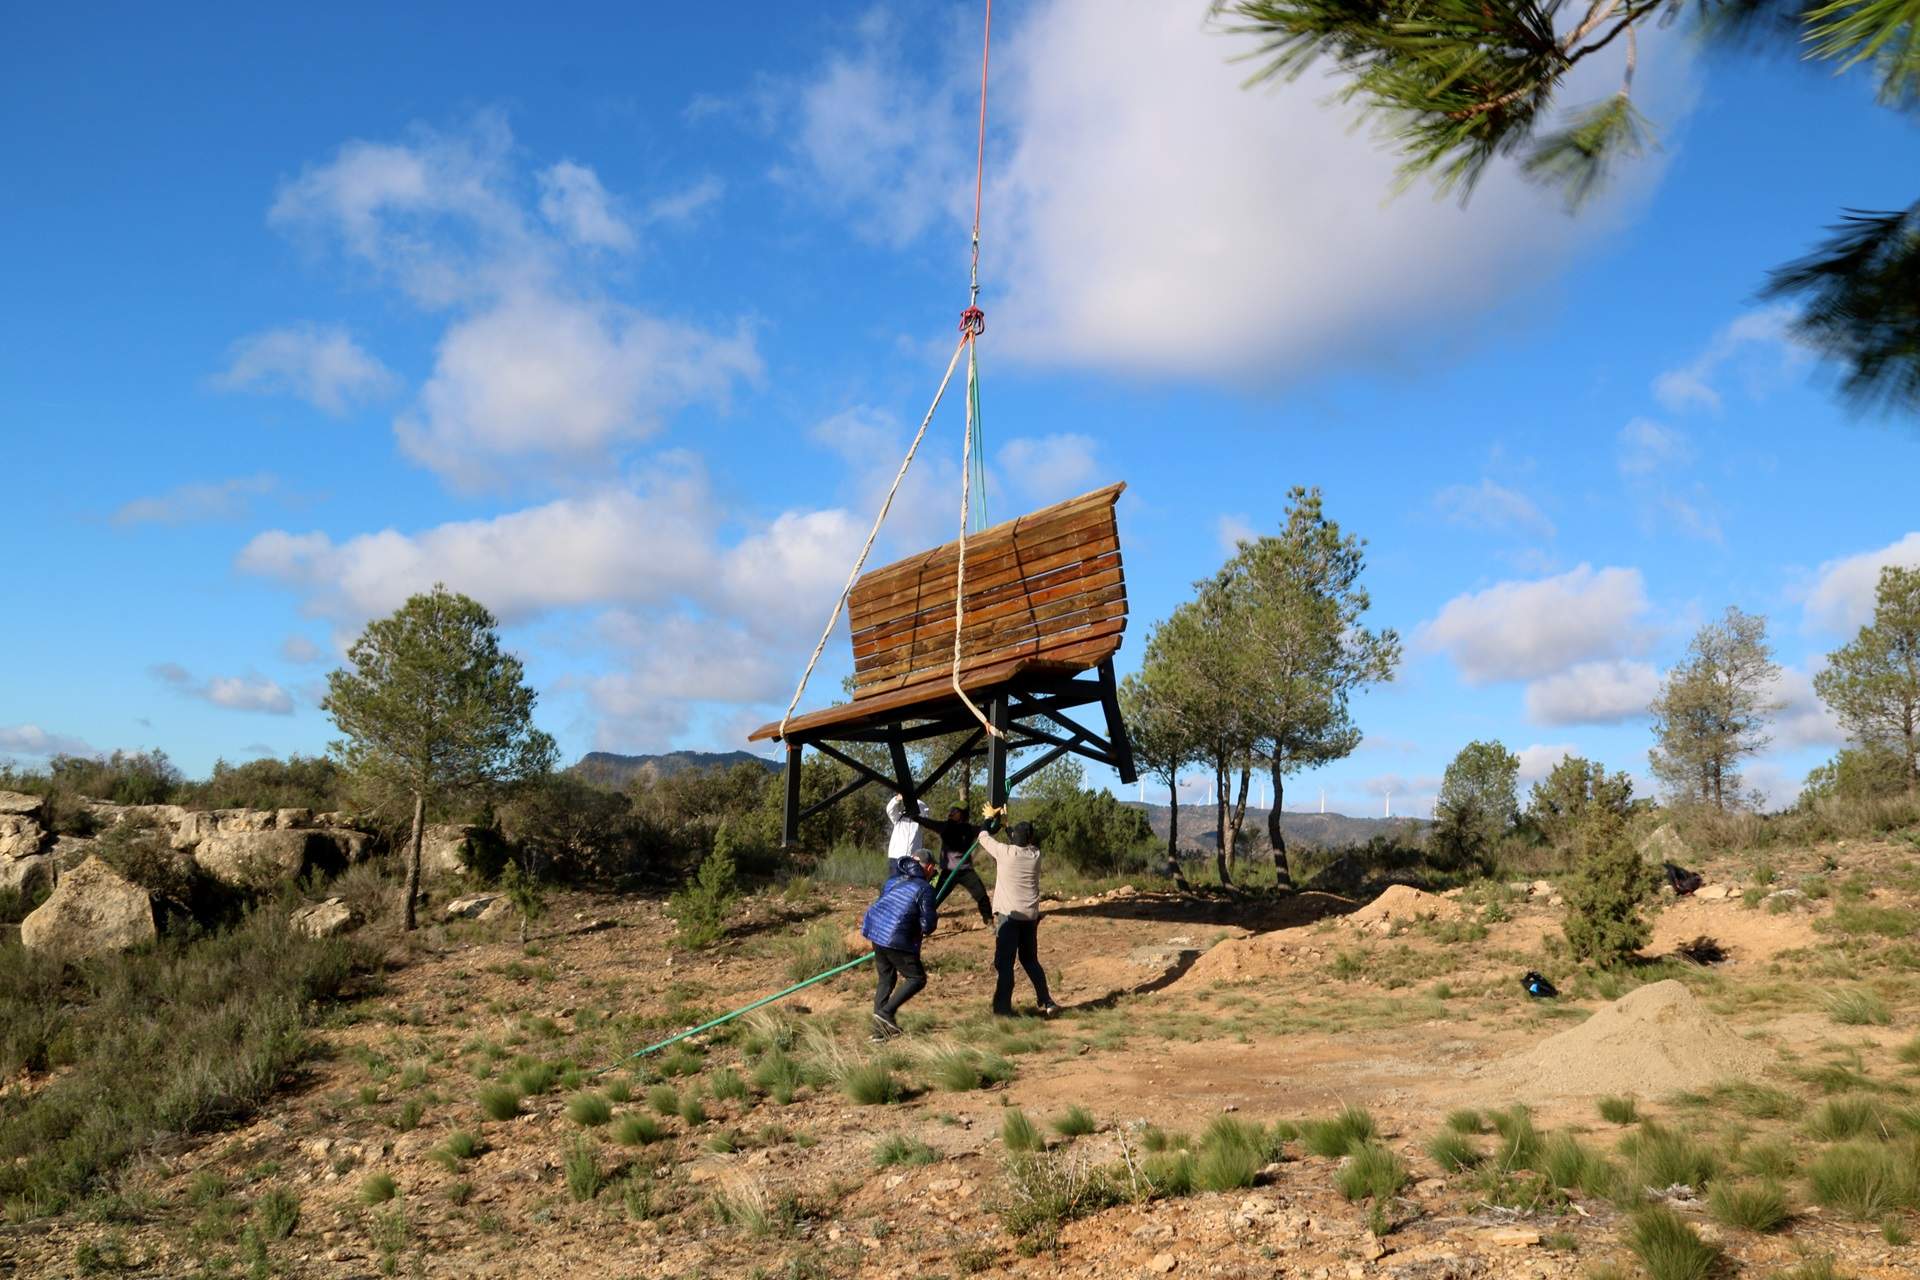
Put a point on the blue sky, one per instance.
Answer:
(620, 323)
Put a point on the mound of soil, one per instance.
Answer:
(1239, 960)
(1653, 1041)
(1403, 904)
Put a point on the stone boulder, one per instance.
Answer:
(260, 859)
(94, 911)
(166, 816)
(20, 835)
(1666, 845)
(292, 819)
(323, 919)
(351, 846)
(25, 874)
(443, 848)
(70, 851)
(473, 906)
(18, 804)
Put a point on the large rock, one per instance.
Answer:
(20, 835)
(351, 846)
(292, 819)
(70, 851)
(473, 906)
(94, 911)
(323, 919)
(167, 816)
(24, 875)
(260, 859)
(443, 848)
(21, 805)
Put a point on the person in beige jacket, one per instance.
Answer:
(1016, 915)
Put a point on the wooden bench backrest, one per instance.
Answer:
(1039, 587)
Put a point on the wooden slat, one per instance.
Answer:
(928, 698)
(1015, 598)
(935, 643)
(882, 578)
(1111, 622)
(1059, 547)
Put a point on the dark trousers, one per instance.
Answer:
(969, 879)
(1021, 938)
(899, 975)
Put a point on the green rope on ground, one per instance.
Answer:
(939, 896)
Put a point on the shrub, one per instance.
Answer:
(1863, 1180)
(584, 1176)
(186, 1036)
(589, 1109)
(377, 1188)
(1750, 1206)
(1340, 1135)
(1371, 1173)
(637, 1130)
(727, 1086)
(1076, 1122)
(1858, 1007)
(1604, 895)
(870, 1084)
(897, 1148)
(700, 909)
(1045, 1190)
(1452, 1151)
(1849, 1117)
(1616, 1110)
(500, 1101)
(277, 1212)
(1017, 1132)
(1668, 1248)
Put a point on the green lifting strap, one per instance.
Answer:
(939, 896)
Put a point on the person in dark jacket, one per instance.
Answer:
(902, 917)
(956, 837)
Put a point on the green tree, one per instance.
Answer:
(1478, 802)
(1610, 886)
(700, 909)
(1562, 800)
(1855, 774)
(1711, 711)
(1300, 603)
(1161, 745)
(432, 708)
(1456, 83)
(1873, 682)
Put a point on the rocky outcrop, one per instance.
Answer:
(261, 859)
(443, 848)
(23, 841)
(94, 911)
(26, 875)
(1666, 845)
(475, 906)
(352, 846)
(19, 804)
(323, 919)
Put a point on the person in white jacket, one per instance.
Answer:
(904, 837)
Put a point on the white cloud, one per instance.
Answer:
(1525, 630)
(1233, 530)
(683, 205)
(192, 503)
(537, 364)
(1800, 718)
(1755, 347)
(1841, 598)
(537, 375)
(1153, 215)
(1647, 448)
(1652, 460)
(32, 740)
(1593, 693)
(575, 204)
(235, 693)
(1047, 469)
(297, 648)
(1537, 761)
(320, 364)
(1488, 505)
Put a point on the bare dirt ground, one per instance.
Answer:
(1178, 1010)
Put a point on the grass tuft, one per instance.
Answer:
(1863, 1180)
(1340, 1135)
(1453, 1151)
(1466, 1120)
(377, 1188)
(1663, 1157)
(727, 1086)
(898, 1148)
(1749, 1206)
(1617, 1110)
(277, 1212)
(1668, 1248)
(585, 1178)
(870, 1084)
(1371, 1173)
(590, 1110)
(1017, 1133)
(500, 1101)
(636, 1130)
(664, 1099)
(1858, 1007)
(1076, 1122)
(1847, 1117)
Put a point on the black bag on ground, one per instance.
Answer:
(1538, 987)
(1683, 881)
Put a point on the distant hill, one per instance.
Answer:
(1321, 830)
(612, 770)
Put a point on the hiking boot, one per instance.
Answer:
(1049, 1010)
(885, 1028)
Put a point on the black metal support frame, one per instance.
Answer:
(1029, 711)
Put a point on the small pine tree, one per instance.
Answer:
(700, 909)
(1610, 883)
(522, 886)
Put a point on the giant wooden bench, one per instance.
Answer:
(1046, 603)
